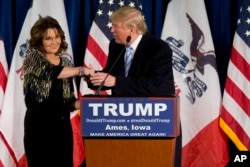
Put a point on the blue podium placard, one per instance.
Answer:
(129, 116)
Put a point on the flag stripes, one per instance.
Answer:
(3, 73)
(3, 77)
(5, 146)
(96, 51)
(232, 90)
(241, 64)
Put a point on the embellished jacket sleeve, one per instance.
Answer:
(38, 75)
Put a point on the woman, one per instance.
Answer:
(49, 96)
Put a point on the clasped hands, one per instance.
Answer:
(96, 78)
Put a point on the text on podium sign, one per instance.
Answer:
(129, 116)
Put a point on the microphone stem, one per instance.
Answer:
(102, 83)
(111, 68)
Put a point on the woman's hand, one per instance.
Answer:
(89, 71)
(77, 104)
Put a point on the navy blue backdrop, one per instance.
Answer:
(222, 15)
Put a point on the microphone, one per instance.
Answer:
(98, 91)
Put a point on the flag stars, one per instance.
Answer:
(106, 9)
(100, 2)
(109, 13)
(140, 6)
(239, 21)
(111, 2)
(248, 9)
(131, 4)
(248, 20)
(109, 25)
(121, 3)
(247, 33)
(99, 12)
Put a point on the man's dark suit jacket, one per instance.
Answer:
(150, 73)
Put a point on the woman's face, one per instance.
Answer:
(51, 41)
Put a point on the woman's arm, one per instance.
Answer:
(75, 71)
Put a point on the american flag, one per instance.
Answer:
(235, 112)
(100, 36)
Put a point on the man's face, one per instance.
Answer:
(120, 32)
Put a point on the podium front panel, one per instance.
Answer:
(129, 117)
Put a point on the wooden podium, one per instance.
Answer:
(128, 150)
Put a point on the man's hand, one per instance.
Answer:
(99, 77)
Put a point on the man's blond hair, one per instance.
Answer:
(131, 17)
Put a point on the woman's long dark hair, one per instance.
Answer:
(38, 32)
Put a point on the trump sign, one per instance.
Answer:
(107, 116)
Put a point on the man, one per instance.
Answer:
(150, 72)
